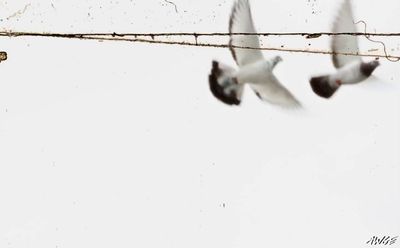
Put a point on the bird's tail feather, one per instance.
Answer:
(223, 85)
(322, 87)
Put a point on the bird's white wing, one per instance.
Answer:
(274, 92)
(344, 23)
(241, 22)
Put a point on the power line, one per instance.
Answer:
(307, 35)
(139, 38)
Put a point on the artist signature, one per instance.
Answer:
(385, 240)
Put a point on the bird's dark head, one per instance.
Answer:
(368, 68)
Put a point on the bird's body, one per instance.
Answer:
(350, 69)
(349, 74)
(258, 72)
(227, 84)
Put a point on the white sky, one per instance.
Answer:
(107, 144)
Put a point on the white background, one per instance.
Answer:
(108, 144)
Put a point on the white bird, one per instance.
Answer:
(350, 69)
(227, 84)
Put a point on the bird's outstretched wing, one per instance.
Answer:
(241, 22)
(274, 92)
(344, 23)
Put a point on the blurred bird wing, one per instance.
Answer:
(241, 22)
(344, 23)
(272, 91)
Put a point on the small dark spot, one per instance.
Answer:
(313, 36)
(3, 56)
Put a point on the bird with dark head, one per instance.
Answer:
(227, 83)
(350, 69)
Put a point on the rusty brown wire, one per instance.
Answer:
(150, 38)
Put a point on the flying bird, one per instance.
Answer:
(350, 69)
(227, 84)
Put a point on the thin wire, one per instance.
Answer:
(377, 41)
(114, 34)
(176, 7)
(120, 37)
(197, 44)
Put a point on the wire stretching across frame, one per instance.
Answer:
(150, 38)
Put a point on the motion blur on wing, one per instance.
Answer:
(350, 69)
(227, 83)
